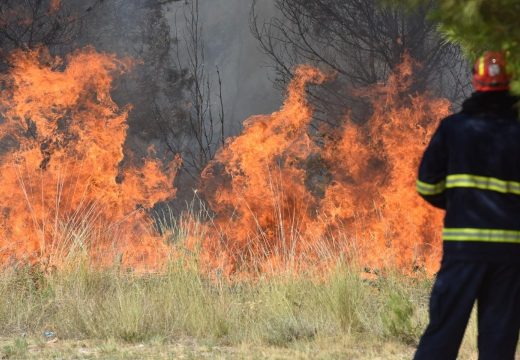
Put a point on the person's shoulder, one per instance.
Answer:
(491, 104)
(454, 119)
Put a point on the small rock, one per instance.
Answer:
(49, 335)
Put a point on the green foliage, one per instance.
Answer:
(398, 318)
(479, 25)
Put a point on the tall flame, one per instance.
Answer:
(63, 185)
(269, 214)
(256, 184)
(375, 168)
(280, 198)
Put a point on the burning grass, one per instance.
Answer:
(61, 160)
(275, 190)
(298, 244)
(265, 261)
(65, 171)
(357, 313)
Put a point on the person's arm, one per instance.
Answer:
(431, 183)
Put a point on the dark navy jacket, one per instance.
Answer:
(471, 169)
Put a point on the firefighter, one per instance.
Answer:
(471, 168)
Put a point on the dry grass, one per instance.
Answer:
(113, 313)
(284, 317)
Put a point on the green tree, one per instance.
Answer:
(480, 25)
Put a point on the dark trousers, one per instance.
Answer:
(496, 288)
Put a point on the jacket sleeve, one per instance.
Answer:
(431, 183)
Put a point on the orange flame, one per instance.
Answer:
(62, 185)
(374, 177)
(54, 6)
(280, 199)
(268, 216)
(256, 185)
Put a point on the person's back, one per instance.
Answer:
(471, 168)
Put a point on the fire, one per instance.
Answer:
(262, 186)
(374, 177)
(256, 185)
(54, 5)
(63, 187)
(281, 200)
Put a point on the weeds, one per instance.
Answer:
(79, 301)
(18, 348)
(91, 303)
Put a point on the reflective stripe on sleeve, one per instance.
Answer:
(483, 183)
(481, 235)
(430, 189)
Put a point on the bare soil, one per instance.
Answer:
(341, 348)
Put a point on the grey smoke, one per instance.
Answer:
(245, 71)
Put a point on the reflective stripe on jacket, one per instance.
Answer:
(471, 168)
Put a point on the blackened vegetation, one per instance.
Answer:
(205, 115)
(172, 110)
(33, 23)
(174, 107)
(169, 88)
(361, 43)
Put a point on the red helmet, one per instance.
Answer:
(489, 72)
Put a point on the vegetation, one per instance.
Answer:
(479, 25)
(113, 312)
(361, 43)
(49, 312)
(82, 303)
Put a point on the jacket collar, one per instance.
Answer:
(492, 104)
